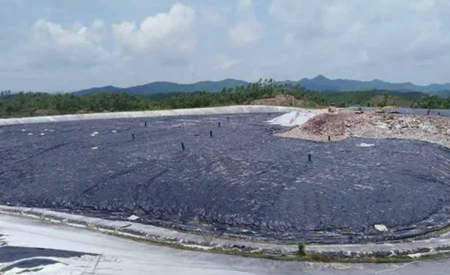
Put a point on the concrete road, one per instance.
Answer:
(115, 255)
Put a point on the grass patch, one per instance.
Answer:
(301, 250)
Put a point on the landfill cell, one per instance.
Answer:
(236, 179)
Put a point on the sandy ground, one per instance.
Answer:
(279, 100)
(343, 124)
(122, 256)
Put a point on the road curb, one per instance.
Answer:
(412, 248)
(239, 109)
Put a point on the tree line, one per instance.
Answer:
(34, 104)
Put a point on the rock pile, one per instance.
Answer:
(338, 126)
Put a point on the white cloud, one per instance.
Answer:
(245, 33)
(52, 43)
(316, 18)
(399, 40)
(244, 5)
(248, 30)
(212, 17)
(227, 64)
(165, 33)
(424, 5)
(363, 36)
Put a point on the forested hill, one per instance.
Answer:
(167, 87)
(265, 93)
(319, 83)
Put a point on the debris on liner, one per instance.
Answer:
(334, 126)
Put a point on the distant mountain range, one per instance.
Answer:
(323, 84)
(161, 87)
(319, 83)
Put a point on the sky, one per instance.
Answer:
(66, 45)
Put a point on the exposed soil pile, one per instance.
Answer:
(321, 127)
(426, 128)
(373, 125)
(279, 100)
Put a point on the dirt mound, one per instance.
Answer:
(420, 127)
(342, 125)
(279, 100)
(326, 124)
(323, 127)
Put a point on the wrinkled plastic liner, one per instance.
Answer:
(237, 181)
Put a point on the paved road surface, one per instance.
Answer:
(114, 255)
